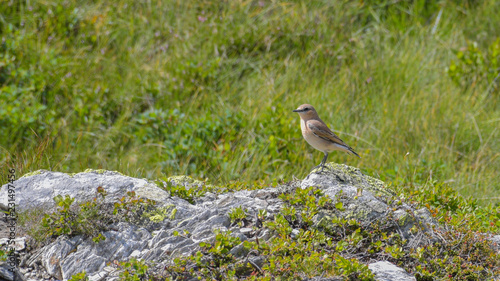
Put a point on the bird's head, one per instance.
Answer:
(306, 112)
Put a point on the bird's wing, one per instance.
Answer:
(322, 131)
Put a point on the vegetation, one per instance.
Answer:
(206, 88)
(299, 246)
(89, 218)
(298, 249)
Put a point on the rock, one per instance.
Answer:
(56, 252)
(192, 223)
(349, 179)
(363, 198)
(246, 230)
(239, 251)
(325, 279)
(258, 260)
(9, 273)
(386, 271)
(39, 188)
(295, 233)
(98, 276)
(19, 243)
(496, 242)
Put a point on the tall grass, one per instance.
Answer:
(206, 88)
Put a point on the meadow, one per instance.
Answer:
(206, 88)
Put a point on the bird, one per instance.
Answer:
(318, 135)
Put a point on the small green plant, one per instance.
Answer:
(212, 261)
(162, 213)
(132, 208)
(262, 215)
(134, 270)
(82, 276)
(308, 200)
(199, 189)
(92, 217)
(185, 233)
(238, 215)
(289, 212)
(3, 255)
(474, 67)
(280, 225)
(352, 269)
(73, 219)
(186, 193)
(224, 242)
(63, 221)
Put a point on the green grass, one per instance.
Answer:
(207, 88)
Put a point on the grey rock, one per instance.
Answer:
(386, 271)
(496, 242)
(39, 188)
(258, 260)
(219, 220)
(98, 276)
(349, 179)
(57, 252)
(184, 250)
(63, 257)
(169, 240)
(239, 251)
(325, 279)
(19, 243)
(202, 233)
(240, 235)
(365, 199)
(7, 272)
(265, 235)
(246, 230)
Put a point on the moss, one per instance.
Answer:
(161, 213)
(100, 171)
(358, 214)
(34, 173)
(404, 219)
(376, 186)
(185, 180)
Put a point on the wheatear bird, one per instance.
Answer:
(317, 134)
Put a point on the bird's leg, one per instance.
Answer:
(322, 164)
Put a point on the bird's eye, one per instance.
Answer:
(306, 109)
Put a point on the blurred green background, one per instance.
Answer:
(207, 88)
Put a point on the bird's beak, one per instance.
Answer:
(297, 110)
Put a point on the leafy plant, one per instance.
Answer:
(161, 213)
(238, 215)
(92, 217)
(310, 201)
(474, 67)
(82, 276)
(132, 208)
(134, 270)
(63, 221)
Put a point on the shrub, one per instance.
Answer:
(474, 67)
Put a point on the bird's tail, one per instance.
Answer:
(353, 152)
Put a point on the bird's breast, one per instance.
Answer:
(303, 127)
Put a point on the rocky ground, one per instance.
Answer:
(178, 227)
